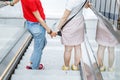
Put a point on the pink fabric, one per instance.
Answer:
(104, 36)
(73, 32)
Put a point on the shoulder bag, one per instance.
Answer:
(59, 32)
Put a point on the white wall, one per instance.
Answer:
(54, 8)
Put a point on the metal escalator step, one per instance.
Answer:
(44, 77)
(110, 75)
(48, 72)
(52, 64)
(44, 60)
(55, 48)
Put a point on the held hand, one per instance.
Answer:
(53, 34)
(7, 2)
(88, 5)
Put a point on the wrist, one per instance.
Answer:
(49, 31)
(11, 3)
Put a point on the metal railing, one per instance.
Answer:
(108, 8)
(118, 22)
(111, 18)
(108, 24)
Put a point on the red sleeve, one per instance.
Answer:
(32, 6)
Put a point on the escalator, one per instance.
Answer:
(52, 59)
(13, 64)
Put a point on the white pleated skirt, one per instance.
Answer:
(104, 36)
(73, 32)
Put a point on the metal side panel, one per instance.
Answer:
(9, 63)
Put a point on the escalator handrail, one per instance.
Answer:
(93, 54)
(88, 55)
(15, 42)
(17, 54)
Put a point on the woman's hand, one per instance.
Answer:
(7, 2)
(53, 34)
(88, 5)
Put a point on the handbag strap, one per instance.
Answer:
(73, 16)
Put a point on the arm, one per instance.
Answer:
(88, 4)
(12, 3)
(41, 21)
(63, 19)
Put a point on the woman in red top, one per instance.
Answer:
(35, 23)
